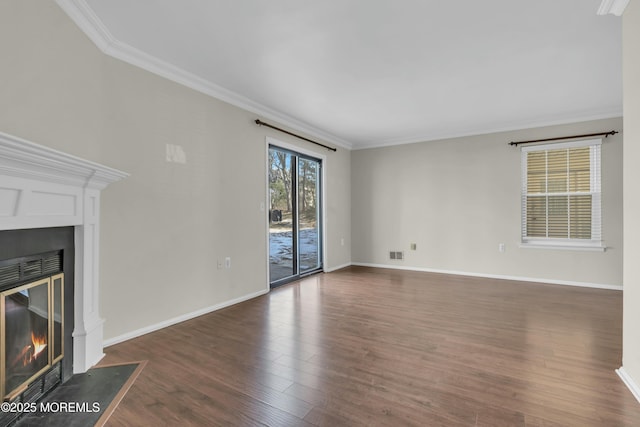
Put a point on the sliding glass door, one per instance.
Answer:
(309, 214)
(295, 220)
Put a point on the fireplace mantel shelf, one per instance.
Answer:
(24, 159)
(41, 187)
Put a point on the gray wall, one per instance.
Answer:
(631, 82)
(458, 199)
(164, 227)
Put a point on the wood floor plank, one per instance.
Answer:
(364, 346)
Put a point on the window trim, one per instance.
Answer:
(596, 244)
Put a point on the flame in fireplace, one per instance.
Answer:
(39, 344)
(32, 351)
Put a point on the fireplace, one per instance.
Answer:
(36, 312)
(31, 333)
(49, 273)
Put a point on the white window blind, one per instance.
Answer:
(561, 194)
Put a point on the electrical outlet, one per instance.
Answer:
(501, 247)
(227, 262)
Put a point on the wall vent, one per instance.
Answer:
(17, 270)
(397, 255)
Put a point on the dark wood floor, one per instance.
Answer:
(382, 347)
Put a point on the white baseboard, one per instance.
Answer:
(179, 319)
(336, 268)
(188, 316)
(629, 382)
(495, 276)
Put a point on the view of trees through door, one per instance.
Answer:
(294, 215)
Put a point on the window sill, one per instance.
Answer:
(563, 246)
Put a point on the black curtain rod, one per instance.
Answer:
(261, 123)
(606, 134)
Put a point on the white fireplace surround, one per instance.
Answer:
(41, 187)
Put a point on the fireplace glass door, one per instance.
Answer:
(57, 321)
(30, 332)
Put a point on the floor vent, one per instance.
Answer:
(396, 255)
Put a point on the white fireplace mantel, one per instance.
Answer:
(41, 187)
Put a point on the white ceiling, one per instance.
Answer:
(363, 73)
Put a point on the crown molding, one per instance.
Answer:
(505, 127)
(89, 23)
(614, 7)
(86, 19)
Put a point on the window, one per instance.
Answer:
(561, 195)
